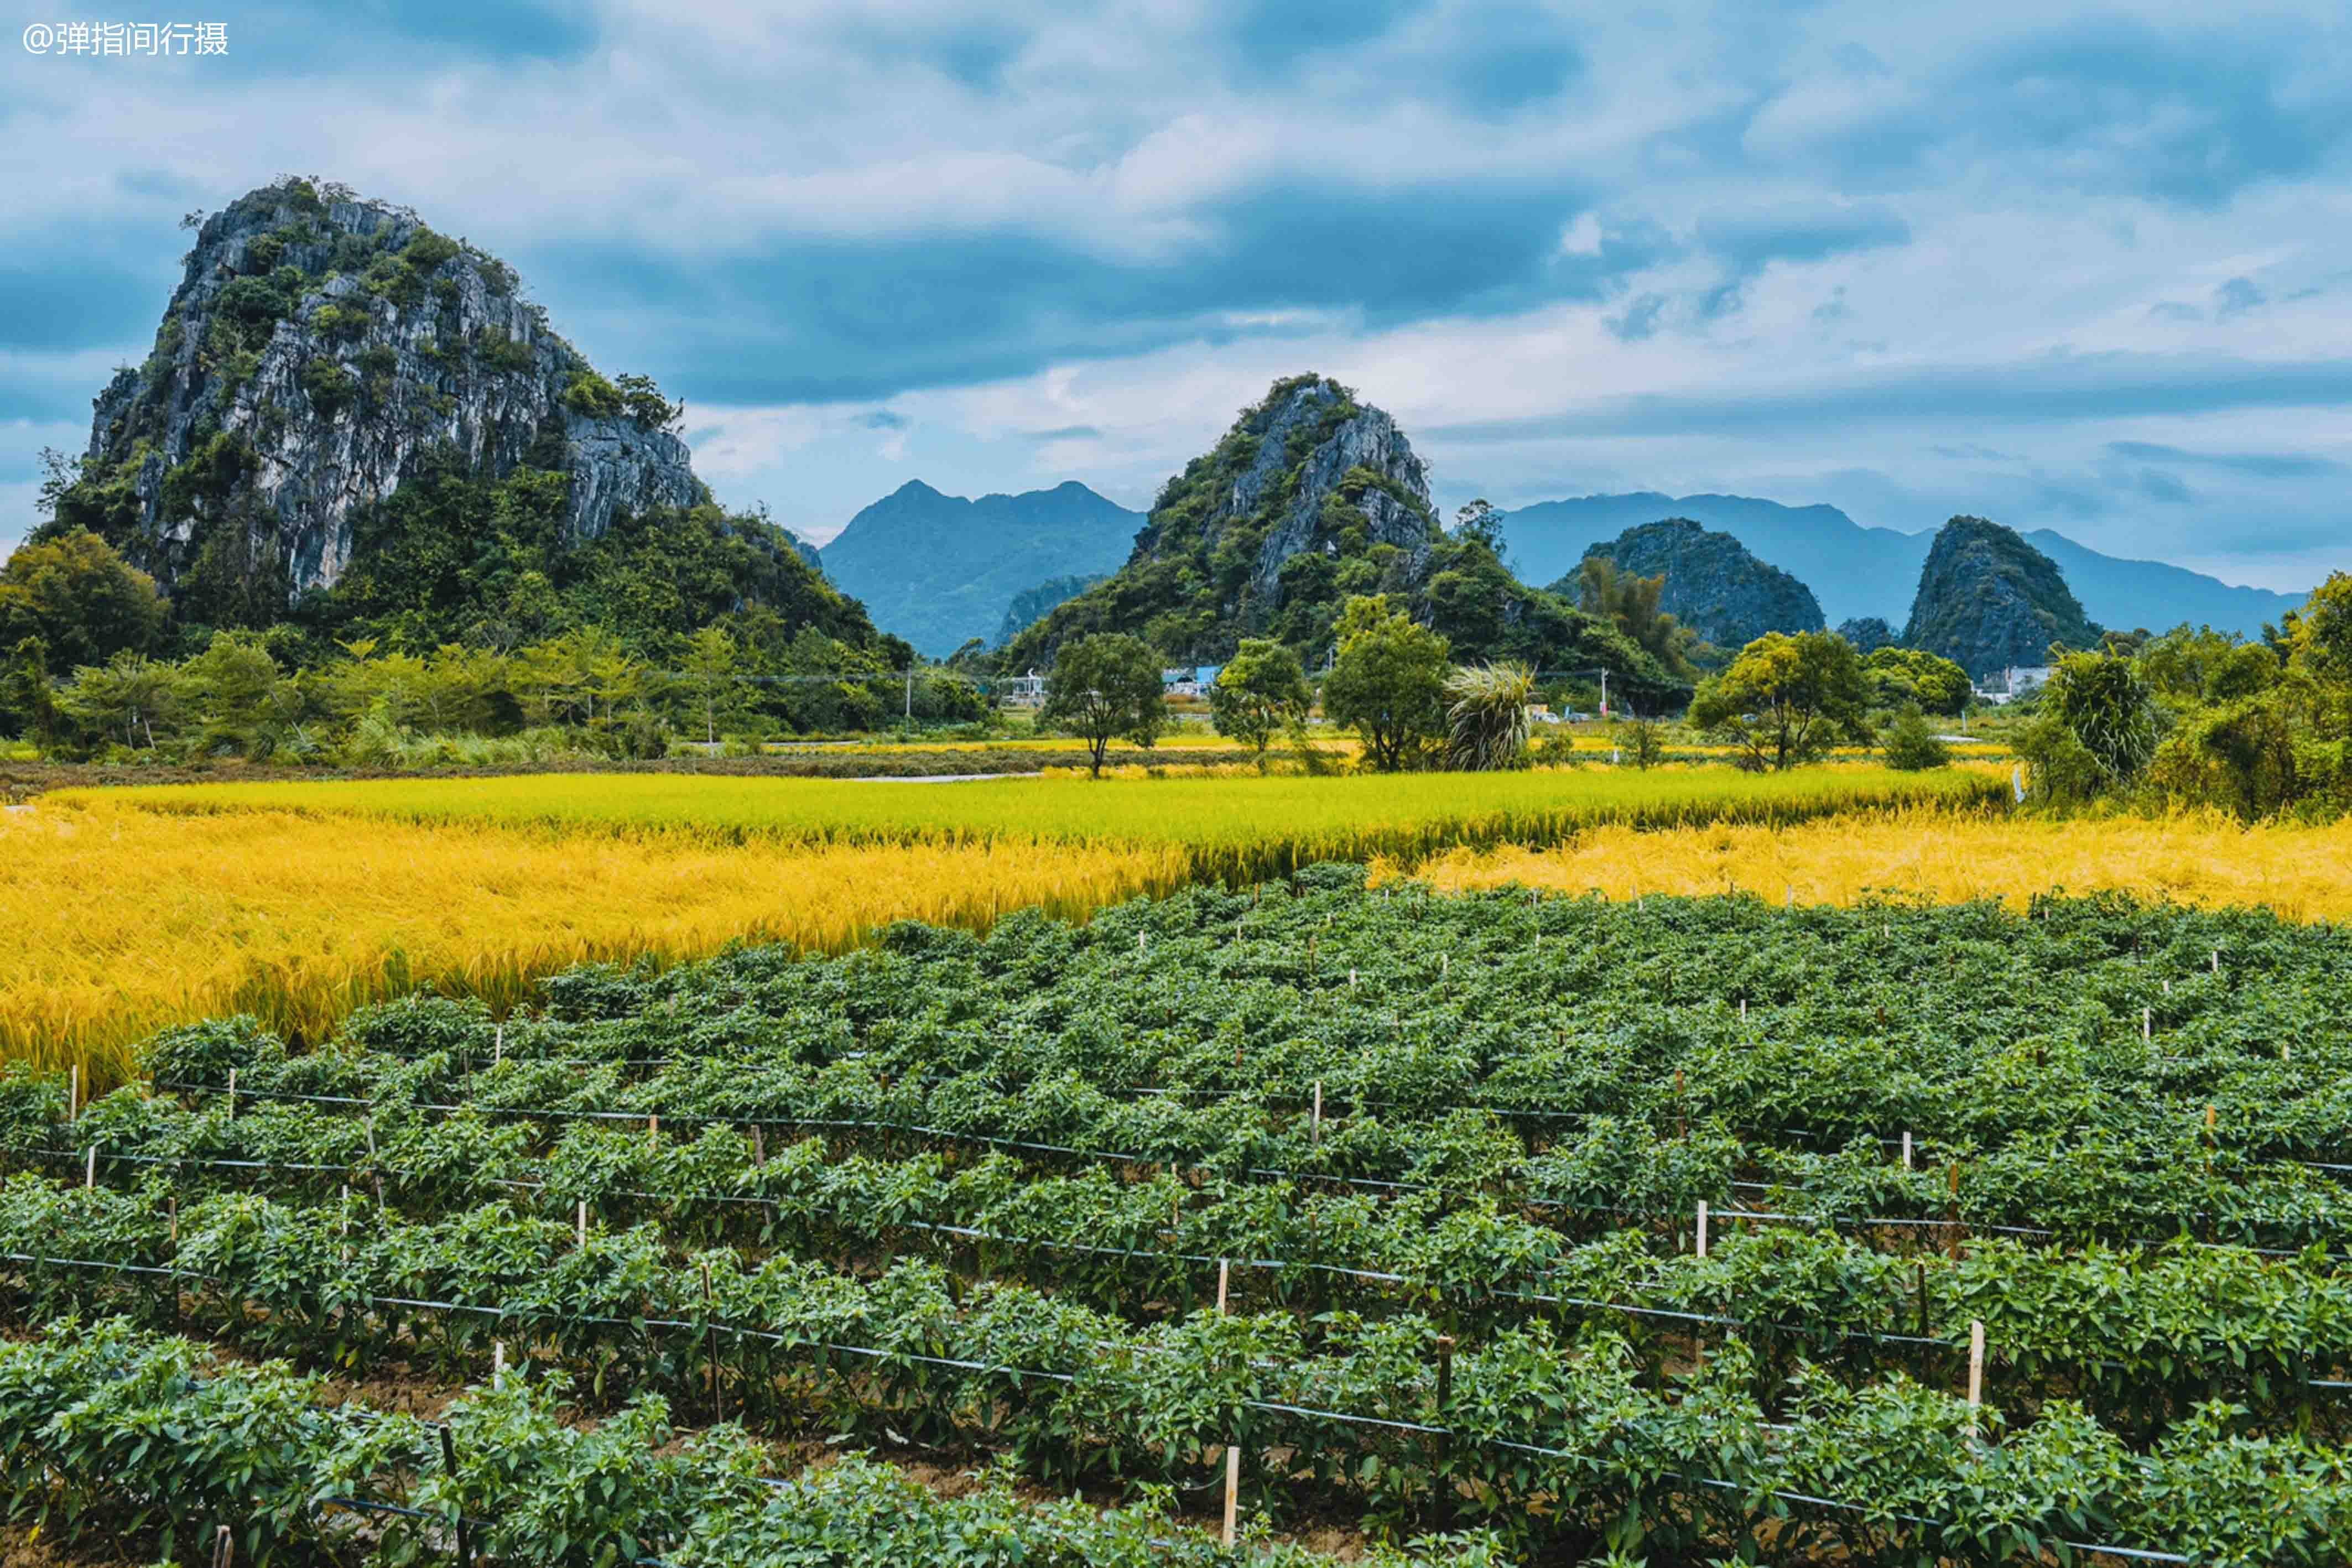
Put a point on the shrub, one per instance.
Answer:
(329, 385)
(1911, 743)
(426, 250)
(203, 1053)
(591, 396)
(501, 352)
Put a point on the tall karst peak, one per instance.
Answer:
(1988, 600)
(319, 347)
(1313, 496)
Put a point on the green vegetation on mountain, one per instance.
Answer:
(353, 428)
(1310, 500)
(1714, 585)
(357, 452)
(1988, 600)
(1033, 603)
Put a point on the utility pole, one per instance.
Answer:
(911, 696)
(1604, 693)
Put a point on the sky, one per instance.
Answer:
(2074, 268)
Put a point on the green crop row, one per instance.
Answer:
(308, 1480)
(1550, 1441)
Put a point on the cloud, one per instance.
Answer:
(2235, 298)
(2261, 465)
(1725, 243)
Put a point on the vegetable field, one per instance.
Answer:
(124, 910)
(1676, 1230)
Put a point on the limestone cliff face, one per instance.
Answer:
(317, 346)
(1713, 584)
(1309, 497)
(1399, 515)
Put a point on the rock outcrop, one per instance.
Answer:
(1988, 600)
(1868, 634)
(1312, 498)
(317, 346)
(1396, 512)
(1310, 494)
(1713, 584)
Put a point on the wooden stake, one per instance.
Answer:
(465, 1531)
(580, 1222)
(711, 1345)
(1233, 1450)
(1445, 1438)
(73, 1094)
(1907, 1149)
(498, 1047)
(372, 1170)
(1702, 1228)
(1315, 1119)
(90, 1171)
(1351, 979)
(498, 1362)
(1743, 1009)
(1975, 1368)
(1139, 941)
(2217, 960)
(652, 1130)
(1233, 1491)
(224, 1547)
(1923, 1300)
(231, 1094)
(758, 1145)
(2147, 1023)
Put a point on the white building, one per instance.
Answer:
(2009, 684)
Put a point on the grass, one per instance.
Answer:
(2302, 873)
(1235, 829)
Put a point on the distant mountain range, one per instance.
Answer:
(1856, 570)
(940, 570)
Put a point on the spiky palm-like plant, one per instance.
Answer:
(1486, 706)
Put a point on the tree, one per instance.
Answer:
(1901, 677)
(1488, 714)
(245, 702)
(27, 700)
(1261, 690)
(710, 672)
(81, 599)
(1911, 743)
(1103, 688)
(1480, 522)
(1388, 683)
(1785, 699)
(2095, 731)
(1631, 602)
(128, 695)
(1643, 741)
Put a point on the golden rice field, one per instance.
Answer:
(121, 910)
(124, 910)
(2301, 872)
(115, 921)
